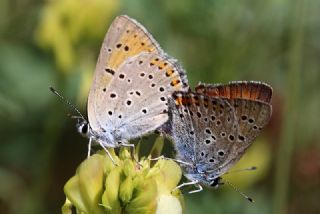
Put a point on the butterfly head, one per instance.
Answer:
(216, 182)
(210, 181)
(205, 177)
(83, 127)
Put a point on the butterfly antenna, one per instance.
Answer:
(241, 170)
(67, 102)
(237, 190)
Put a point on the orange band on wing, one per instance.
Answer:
(179, 101)
(245, 90)
(186, 100)
(175, 82)
(169, 72)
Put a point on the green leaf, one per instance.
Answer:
(157, 147)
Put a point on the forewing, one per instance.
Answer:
(136, 101)
(124, 39)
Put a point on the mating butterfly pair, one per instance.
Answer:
(137, 88)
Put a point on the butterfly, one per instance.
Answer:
(213, 127)
(132, 82)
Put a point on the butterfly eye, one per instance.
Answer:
(84, 129)
(215, 182)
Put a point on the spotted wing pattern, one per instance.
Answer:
(132, 80)
(202, 127)
(213, 132)
(124, 39)
(135, 102)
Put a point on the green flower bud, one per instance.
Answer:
(157, 148)
(171, 174)
(99, 186)
(126, 190)
(124, 153)
(145, 200)
(110, 195)
(84, 190)
(67, 207)
(72, 191)
(108, 165)
(168, 204)
(129, 168)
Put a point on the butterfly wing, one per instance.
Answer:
(251, 117)
(251, 90)
(124, 39)
(251, 102)
(201, 127)
(135, 102)
(212, 132)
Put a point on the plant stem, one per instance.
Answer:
(291, 108)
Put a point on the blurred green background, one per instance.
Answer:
(56, 43)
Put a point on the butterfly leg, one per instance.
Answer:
(89, 147)
(108, 153)
(165, 158)
(197, 190)
(194, 182)
(132, 148)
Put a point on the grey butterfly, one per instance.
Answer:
(132, 80)
(213, 127)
